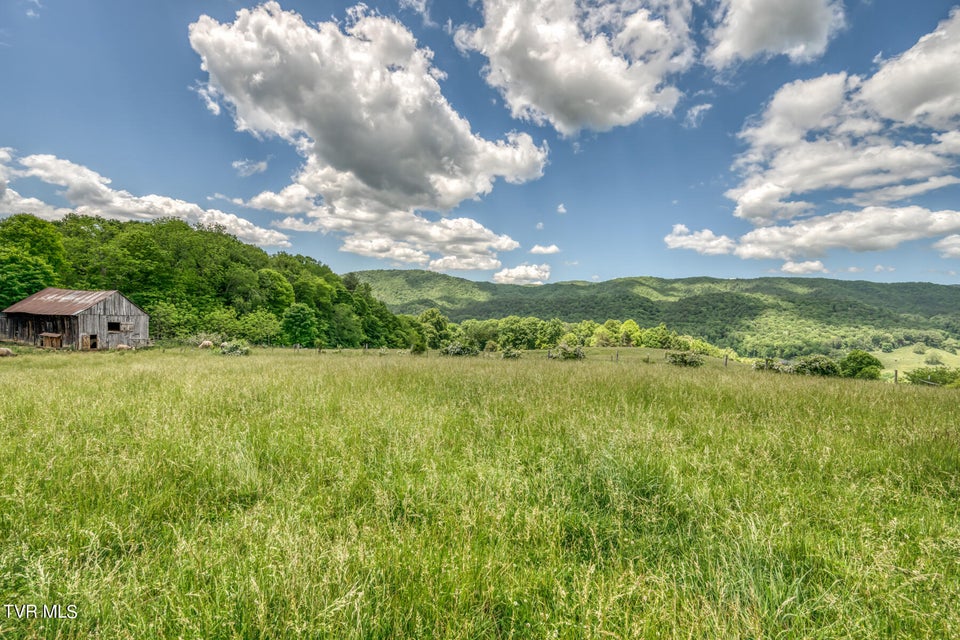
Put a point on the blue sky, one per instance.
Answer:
(509, 140)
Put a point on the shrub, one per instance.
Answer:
(569, 339)
(933, 359)
(869, 373)
(816, 365)
(935, 375)
(510, 353)
(858, 360)
(235, 348)
(919, 348)
(685, 358)
(418, 348)
(769, 364)
(566, 352)
(456, 348)
(418, 345)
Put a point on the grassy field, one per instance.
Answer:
(186, 494)
(907, 359)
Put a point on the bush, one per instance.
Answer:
(919, 348)
(933, 359)
(858, 360)
(456, 348)
(510, 353)
(418, 348)
(935, 375)
(566, 352)
(816, 365)
(869, 373)
(418, 345)
(769, 364)
(235, 348)
(569, 339)
(685, 358)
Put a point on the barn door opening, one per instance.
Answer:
(84, 342)
(93, 341)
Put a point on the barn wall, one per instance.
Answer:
(4, 327)
(134, 323)
(26, 328)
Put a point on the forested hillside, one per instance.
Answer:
(766, 317)
(196, 280)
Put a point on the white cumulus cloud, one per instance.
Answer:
(804, 268)
(704, 242)
(544, 251)
(874, 143)
(90, 193)
(921, 86)
(799, 29)
(361, 102)
(524, 274)
(949, 247)
(579, 65)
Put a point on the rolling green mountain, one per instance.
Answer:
(756, 317)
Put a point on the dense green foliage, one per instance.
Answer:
(296, 495)
(201, 281)
(21, 275)
(765, 317)
(816, 365)
(194, 280)
(860, 364)
(456, 348)
(934, 375)
(685, 359)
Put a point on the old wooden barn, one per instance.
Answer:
(85, 320)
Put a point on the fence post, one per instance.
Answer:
(895, 380)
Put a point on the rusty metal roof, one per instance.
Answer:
(58, 302)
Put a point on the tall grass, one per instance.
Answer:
(346, 496)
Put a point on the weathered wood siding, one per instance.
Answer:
(26, 328)
(114, 321)
(131, 326)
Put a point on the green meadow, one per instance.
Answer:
(184, 494)
(913, 357)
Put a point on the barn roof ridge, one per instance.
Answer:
(59, 302)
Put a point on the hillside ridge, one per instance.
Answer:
(767, 316)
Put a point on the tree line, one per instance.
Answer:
(197, 280)
(527, 333)
(762, 317)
